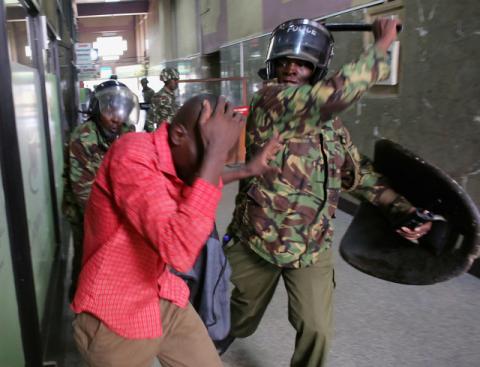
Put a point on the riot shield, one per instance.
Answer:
(371, 244)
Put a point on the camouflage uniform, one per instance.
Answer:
(286, 218)
(162, 108)
(148, 94)
(84, 155)
(289, 215)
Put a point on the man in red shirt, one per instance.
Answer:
(151, 209)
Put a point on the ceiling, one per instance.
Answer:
(99, 8)
(108, 1)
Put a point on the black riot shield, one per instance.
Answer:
(372, 245)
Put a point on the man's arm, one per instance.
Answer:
(82, 173)
(256, 166)
(142, 193)
(353, 79)
(374, 188)
(336, 93)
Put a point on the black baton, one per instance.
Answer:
(353, 27)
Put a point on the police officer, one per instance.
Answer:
(163, 105)
(282, 224)
(113, 111)
(147, 92)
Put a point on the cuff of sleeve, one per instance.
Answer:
(379, 54)
(399, 209)
(203, 197)
(383, 67)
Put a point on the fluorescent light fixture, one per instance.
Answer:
(94, 54)
(110, 58)
(110, 46)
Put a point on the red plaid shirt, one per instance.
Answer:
(140, 220)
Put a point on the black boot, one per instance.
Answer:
(222, 345)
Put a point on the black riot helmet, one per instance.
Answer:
(114, 99)
(301, 39)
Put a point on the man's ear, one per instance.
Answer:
(177, 134)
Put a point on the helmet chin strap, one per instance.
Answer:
(318, 75)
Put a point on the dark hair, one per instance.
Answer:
(181, 117)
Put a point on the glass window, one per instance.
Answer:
(17, 29)
(254, 52)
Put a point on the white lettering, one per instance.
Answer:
(302, 28)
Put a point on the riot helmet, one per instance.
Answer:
(301, 39)
(114, 100)
(169, 74)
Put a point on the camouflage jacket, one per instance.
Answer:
(83, 156)
(148, 94)
(286, 217)
(162, 108)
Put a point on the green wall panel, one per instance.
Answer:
(11, 351)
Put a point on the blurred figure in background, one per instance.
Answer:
(163, 104)
(147, 92)
(113, 111)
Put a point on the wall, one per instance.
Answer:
(434, 111)
(89, 29)
(186, 28)
(159, 32)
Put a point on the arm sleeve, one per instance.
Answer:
(82, 172)
(350, 82)
(150, 119)
(374, 188)
(141, 192)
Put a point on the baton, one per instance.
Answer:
(353, 27)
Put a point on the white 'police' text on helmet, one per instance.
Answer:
(301, 39)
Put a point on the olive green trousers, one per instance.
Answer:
(310, 300)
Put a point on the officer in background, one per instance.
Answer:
(147, 92)
(163, 105)
(113, 111)
(283, 221)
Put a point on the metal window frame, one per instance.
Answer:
(16, 210)
(36, 25)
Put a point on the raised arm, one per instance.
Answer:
(352, 80)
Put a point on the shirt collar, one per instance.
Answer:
(168, 91)
(164, 154)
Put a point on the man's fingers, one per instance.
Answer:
(229, 112)
(238, 117)
(272, 147)
(220, 109)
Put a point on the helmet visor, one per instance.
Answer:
(119, 103)
(301, 41)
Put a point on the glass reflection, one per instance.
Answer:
(17, 29)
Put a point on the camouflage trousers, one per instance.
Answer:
(310, 300)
